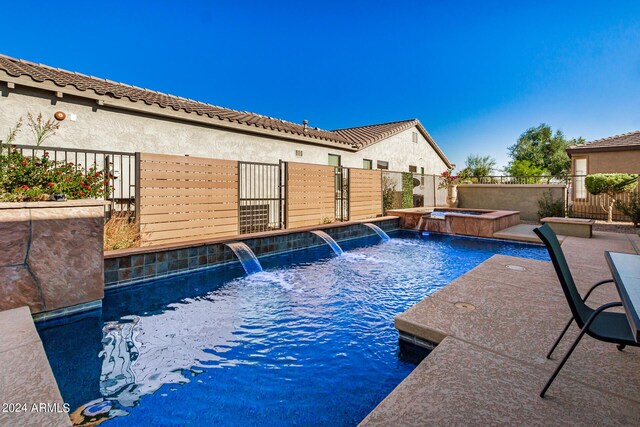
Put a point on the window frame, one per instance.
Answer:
(583, 188)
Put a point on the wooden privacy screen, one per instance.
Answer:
(187, 198)
(365, 193)
(310, 194)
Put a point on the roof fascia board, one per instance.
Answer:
(586, 150)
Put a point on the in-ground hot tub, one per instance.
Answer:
(468, 222)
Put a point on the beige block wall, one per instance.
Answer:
(107, 128)
(513, 197)
(611, 162)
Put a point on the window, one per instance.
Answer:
(383, 165)
(413, 169)
(579, 170)
(298, 153)
(422, 170)
(334, 160)
(367, 164)
(414, 137)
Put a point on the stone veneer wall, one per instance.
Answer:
(51, 254)
(134, 265)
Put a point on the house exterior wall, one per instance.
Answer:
(401, 152)
(627, 161)
(107, 128)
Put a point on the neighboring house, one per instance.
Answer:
(615, 154)
(105, 115)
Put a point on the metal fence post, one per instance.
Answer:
(435, 192)
(136, 189)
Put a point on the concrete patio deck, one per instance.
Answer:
(490, 364)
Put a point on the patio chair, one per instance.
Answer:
(603, 326)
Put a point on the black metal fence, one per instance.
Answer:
(579, 203)
(342, 193)
(499, 179)
(423, 190)
(119, 167)
(260, 196)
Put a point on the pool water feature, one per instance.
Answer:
(247, 258)
(332, 243)
(308, 341)
(379, 231)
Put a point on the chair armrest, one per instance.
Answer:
(602, 282)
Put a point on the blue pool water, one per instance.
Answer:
(308, 341)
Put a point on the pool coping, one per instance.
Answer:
(489, 364)
(26, 377)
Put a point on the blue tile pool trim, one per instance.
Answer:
(67, 311)
(131, 269)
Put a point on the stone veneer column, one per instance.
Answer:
(51, 254)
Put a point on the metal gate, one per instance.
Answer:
(260, 197)
(342, 193)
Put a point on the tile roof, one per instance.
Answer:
(356, 137)
(40, 73)
(363, 136)
(625, 141)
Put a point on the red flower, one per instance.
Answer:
(51, 184)
(24, 163)
(25, 187)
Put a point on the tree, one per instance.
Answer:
(478, 166)
(525, 168)
(544, 149)
(611, 184)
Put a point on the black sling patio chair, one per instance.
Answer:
(601, 325)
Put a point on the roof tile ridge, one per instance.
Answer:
(375, 124)
(298, 127)
(610, 137)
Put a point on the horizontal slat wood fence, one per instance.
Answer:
(187, 198)
(310, 194)
(365, 194)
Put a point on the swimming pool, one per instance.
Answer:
(309, 341)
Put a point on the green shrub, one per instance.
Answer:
(631, 208)
(610, 184)
(387, 193)
(547, 206)
(407, 190)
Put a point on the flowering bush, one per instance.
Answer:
(448, 180)
(25, 178)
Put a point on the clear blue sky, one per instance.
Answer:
(476, 73)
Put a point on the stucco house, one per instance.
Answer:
(615, 154)
(105, 115)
